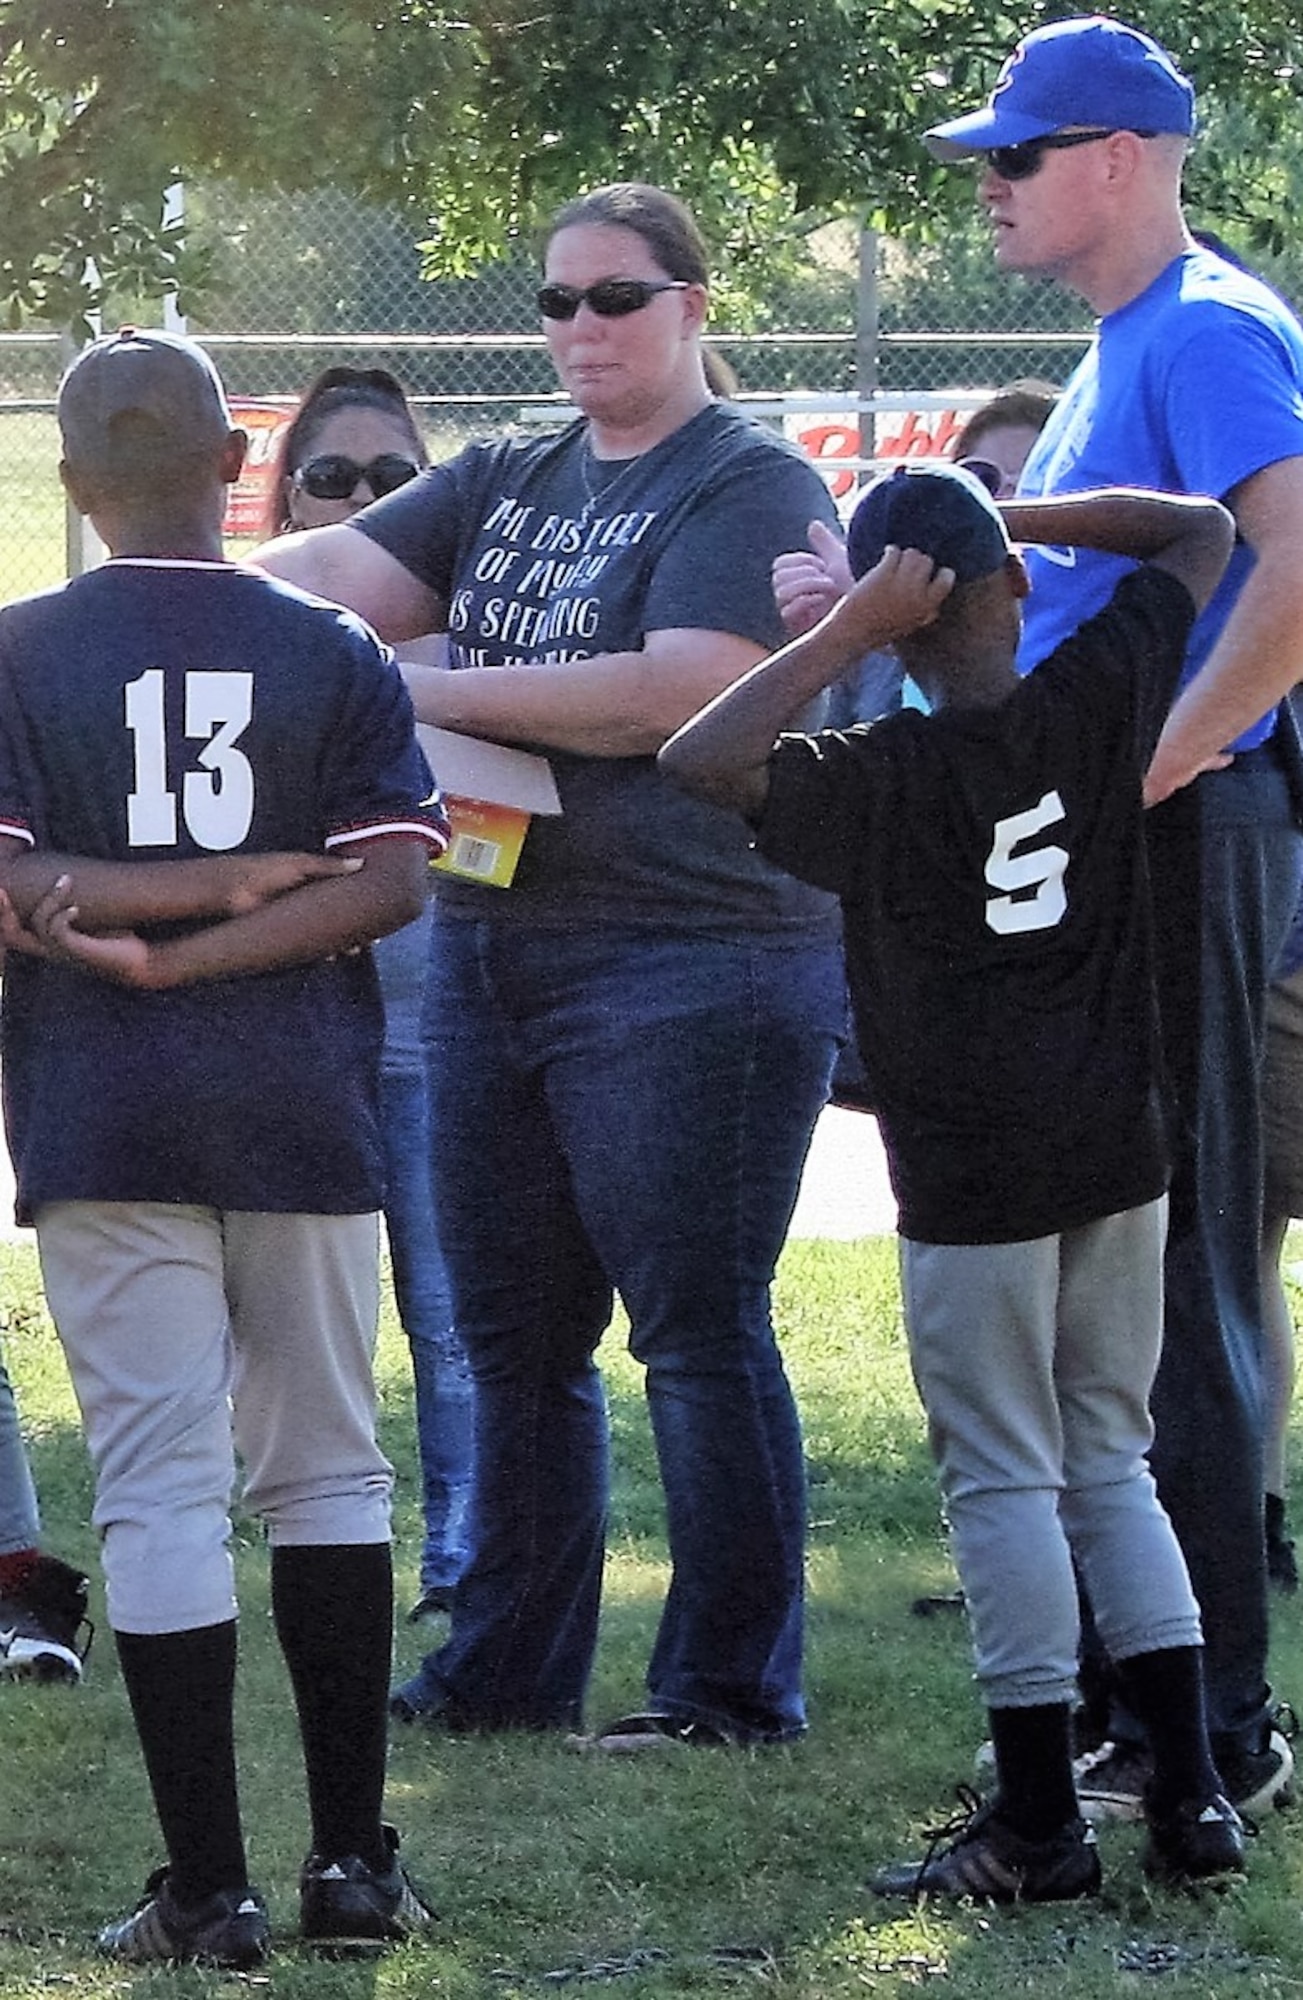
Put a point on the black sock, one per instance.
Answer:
(181, 1688)
(1033, 1760)
(334, 1610)
(1164, 1689)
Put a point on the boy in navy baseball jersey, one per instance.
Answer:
(211, 800)
(990, 863)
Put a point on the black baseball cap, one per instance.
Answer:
(933, 506)
(150, 393)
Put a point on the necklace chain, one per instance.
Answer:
(594, 495)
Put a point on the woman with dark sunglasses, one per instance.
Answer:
(632, 1042)
(352, 439)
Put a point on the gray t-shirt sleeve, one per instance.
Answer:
(717, 576)
(418, 525)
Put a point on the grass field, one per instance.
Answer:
(697, 1874)
(32, 520)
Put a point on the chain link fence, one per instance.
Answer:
(866, 350)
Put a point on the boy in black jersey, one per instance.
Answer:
(990, 863)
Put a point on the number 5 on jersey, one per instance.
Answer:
(1036, 898)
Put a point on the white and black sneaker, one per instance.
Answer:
(45, 1634)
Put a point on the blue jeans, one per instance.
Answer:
(1225, 857)
(20, 1525)
(626, 1112)
(444, 1392)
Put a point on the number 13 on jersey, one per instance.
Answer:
(217, 799)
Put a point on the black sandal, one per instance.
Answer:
(632, 1734)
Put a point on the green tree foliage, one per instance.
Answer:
(104, 103)
(773, 116)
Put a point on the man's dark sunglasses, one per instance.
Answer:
(986, 472)
(609, 298)
(1019, 163)
(332, 476)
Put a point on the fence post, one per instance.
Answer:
(174, 320)
(867, 372)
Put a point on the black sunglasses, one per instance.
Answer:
(1019, 163)
(987, 472)
(332, 476)
(609, 298)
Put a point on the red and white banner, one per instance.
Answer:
(249, 501)
(896, 434)
(828, 438)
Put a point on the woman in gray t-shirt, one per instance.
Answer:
(631, 1043)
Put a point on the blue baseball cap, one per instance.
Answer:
(934, 506)
(1083, 72)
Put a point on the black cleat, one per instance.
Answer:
(1195, 1841)
(346, 1905)
(978, 1855)
(228, 1929)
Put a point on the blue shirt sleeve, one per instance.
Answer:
(1234, 405)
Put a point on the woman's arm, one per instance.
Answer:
(613, 705)
(620, 702)
(347, 567)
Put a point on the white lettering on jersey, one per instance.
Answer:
(151, 808)
(1036, 900)
(216, 801)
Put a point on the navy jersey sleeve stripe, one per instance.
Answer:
(434, 830)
